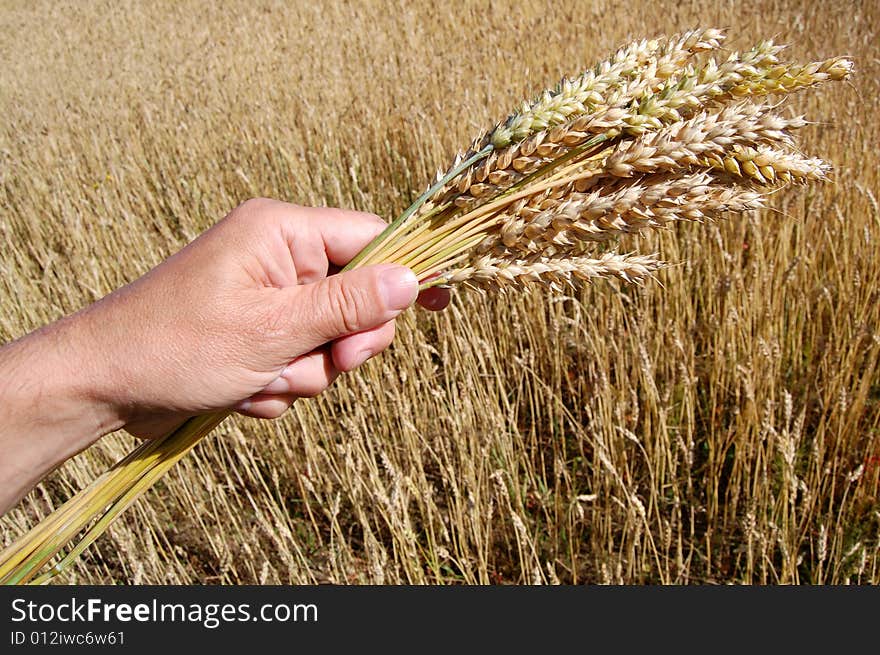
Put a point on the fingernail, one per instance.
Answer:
(278, 385)
(434, 300)
(361, 357)
(399, 287)
(244, 405)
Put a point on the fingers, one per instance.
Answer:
(344, 233)
(310, 237)
(434, 299)
(317, 236)
(351, 351)
(266, 406)
(347, 303)
(306, 376)
(313, 372)
(332, 238)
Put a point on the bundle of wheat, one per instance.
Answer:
(661, 131)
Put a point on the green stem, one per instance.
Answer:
(421, 200)
(149, 461)
(173, 448)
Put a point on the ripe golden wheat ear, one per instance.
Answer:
(663, 130)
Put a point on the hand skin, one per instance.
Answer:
(248, 317)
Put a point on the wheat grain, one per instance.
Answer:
(614, 210)
(649, 62)
(767, 165)
(490, 273)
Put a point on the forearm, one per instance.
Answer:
(50, 407)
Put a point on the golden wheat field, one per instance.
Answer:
(718, 425)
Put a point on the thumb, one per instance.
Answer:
(351, 302)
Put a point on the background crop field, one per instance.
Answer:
(719, 425)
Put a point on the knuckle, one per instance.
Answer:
(253, 205)
(255, 210)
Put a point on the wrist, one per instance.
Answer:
(50, 404)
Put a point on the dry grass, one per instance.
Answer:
(713, 429)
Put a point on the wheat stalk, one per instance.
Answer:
(658, 132)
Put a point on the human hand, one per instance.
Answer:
(248, 316)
